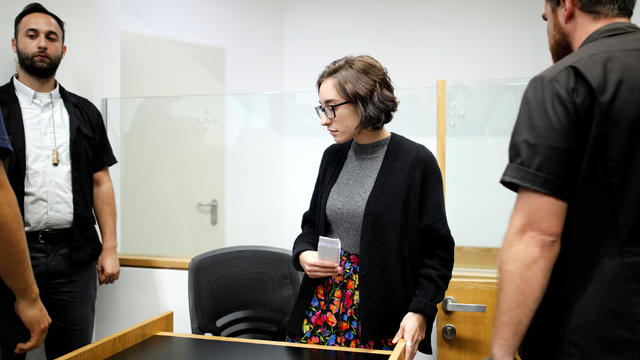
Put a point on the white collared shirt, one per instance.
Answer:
(48, 198)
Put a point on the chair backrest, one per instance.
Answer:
(242, 291)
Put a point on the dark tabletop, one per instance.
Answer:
(161, 347)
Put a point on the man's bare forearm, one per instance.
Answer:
(530, 249)
(105, 208)
(15, 265)
(524, 271)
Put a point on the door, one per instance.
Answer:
(172, 175)
(465, 333)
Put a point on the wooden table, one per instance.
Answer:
(154, 339)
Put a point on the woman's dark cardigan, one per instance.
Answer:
(406, 248)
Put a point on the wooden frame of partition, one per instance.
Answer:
(155, 262)
(466, 256)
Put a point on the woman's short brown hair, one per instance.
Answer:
(365, 82)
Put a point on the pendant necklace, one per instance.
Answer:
(55, 157)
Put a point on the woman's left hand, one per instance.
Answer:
(412, 330)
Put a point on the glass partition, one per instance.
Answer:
(197, 173)
(480, 118)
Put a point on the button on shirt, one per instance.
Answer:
(48, 199)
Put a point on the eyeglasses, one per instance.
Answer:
(329, 110)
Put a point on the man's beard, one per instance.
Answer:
(559, 45)
(37, 68)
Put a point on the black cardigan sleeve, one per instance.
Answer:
(434, 263)
(308, 238)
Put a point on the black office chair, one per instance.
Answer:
(242, 291)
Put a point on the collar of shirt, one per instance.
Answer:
(27, 95)
(612, 29)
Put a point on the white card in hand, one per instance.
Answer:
(329, 249)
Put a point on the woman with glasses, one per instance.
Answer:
(381, 195)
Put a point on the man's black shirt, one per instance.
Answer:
(577, 138)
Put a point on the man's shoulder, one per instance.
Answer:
(601, 49)
(559, 79)
(76, 99)
(6, 85)
(561, 68)
(84, 108)
(7, 94)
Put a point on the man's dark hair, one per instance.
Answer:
(36, 8)
(603, 8)
(363, 80)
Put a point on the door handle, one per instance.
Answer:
(449, 305)
(213, 208)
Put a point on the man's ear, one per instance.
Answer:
(13, 45)
(568, 10)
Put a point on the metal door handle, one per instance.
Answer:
(449, 304)
(213, 205)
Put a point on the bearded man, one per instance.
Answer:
(59, 173)
(570, 262)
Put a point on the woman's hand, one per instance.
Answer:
(412, 330)
(317, 268)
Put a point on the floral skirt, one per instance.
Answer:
(333, 317)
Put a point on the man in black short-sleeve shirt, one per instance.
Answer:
(569, 273)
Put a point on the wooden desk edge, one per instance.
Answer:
(289, 344)
(124, 339)
(398, 351)
(162, 325)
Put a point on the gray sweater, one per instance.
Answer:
(349, 195)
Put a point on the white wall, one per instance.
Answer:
(140, 294)
(247, 30)
(418, 41)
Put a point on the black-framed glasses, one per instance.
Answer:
(329, 110)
